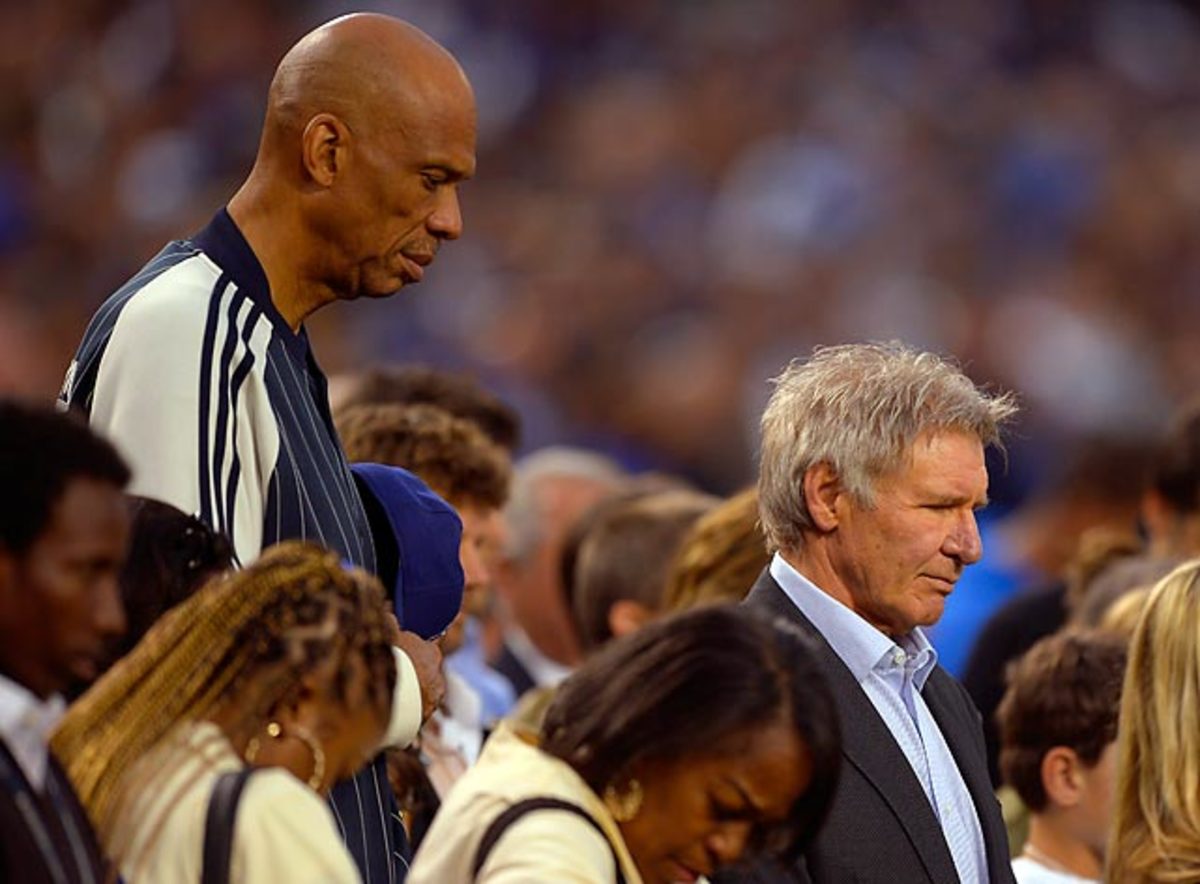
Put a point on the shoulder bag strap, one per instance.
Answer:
(514, 812)
(218, 825)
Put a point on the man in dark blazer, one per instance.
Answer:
(64, 527)
(872, 467)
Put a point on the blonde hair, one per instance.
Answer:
(721, 556)
(1156, 823)
(249, 636)
(1122, 616)
(859, 408)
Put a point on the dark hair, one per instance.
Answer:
(636, 701)
(1065, 691)
(41, 452)
(626, 554)
(171, 554)
(460, 395)
(1175, 470)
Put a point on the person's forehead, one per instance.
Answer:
(87, 506)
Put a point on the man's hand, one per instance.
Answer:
(426, 658)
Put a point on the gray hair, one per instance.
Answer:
(524, 509)
(859, 408)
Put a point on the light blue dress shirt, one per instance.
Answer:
(892, 675)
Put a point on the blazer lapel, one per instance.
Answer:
(867, 743)
(960, 727)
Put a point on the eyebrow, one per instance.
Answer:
(749, 801)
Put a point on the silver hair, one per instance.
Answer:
(524, 509)
(859, 408)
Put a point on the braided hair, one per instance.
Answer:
(241, 643)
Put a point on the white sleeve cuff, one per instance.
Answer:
(406, 704)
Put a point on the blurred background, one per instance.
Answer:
(675, 198)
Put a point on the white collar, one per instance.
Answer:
(546, 673)
(26, 723)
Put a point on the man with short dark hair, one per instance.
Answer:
(63, 533)
(872, 467)
(199, 368)
(623, 560)
(1058, 732)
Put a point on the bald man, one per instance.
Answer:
(199, 367)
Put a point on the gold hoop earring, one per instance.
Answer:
(624, 804)
(305, 736)
(274, 731)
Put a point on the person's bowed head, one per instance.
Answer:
(693, 744)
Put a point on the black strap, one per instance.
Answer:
(514, 812)
(218, 825)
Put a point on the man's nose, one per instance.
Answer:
(963, 542)
(729, 841)
(108, 612)
(446, 220)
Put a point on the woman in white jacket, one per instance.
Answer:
(696, 742)
(285, 666)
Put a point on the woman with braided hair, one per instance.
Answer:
(286, 665)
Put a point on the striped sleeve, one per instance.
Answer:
(179, 391)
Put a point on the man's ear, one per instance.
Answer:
(626, 616)
(1061, 777)
(324, 148)
(822, 490)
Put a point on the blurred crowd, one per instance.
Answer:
(673, 198)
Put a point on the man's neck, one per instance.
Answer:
(813, 562)
(1049, 845)
(274, 237)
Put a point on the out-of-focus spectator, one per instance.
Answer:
(628, 783)
(1101, 490)
(552, 488)
(63, 535)
(1122, 616)
(1058, 731)
(624, 560)
(1156, 824)
(471, 473)
(616, 569)
(721, 557)
(457, 394)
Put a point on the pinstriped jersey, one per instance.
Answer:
(217, 405)
(221, 410)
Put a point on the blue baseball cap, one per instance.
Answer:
(417, 536)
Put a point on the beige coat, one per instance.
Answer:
(284, 830)
(546, 845)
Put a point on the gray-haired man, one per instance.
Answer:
(872, 468)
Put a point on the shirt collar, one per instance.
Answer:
(857, 643)
(22, 712)
(223, 241)
(546, 673)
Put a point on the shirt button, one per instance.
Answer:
(899, 657)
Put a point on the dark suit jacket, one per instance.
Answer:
(20, 859)
(881, 829)
(514, 670)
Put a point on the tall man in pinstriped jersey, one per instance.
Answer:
(199, 368)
